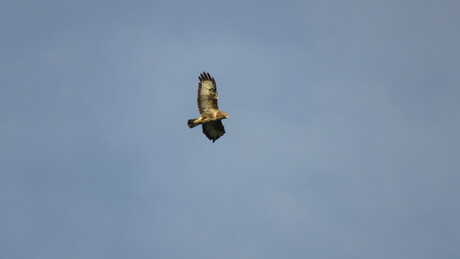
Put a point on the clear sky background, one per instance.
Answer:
(343, 138)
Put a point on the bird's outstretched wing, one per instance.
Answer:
(207, 94)
(214, 130)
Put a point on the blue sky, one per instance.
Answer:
(342, 140)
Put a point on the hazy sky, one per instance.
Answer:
(343, 138)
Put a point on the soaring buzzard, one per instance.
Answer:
(211, 116)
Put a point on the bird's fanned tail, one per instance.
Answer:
(191, 123)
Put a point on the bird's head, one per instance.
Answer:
(223, 115)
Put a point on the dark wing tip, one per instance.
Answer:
(212, 138)
(205, 76)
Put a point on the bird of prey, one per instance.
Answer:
(211, 117)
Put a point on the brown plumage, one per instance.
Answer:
(211, 116)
